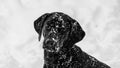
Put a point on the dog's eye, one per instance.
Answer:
(48, 27)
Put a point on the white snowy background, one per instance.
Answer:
(19, 46)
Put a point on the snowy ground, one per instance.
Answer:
(19, 46)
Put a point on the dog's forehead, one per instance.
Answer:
(58, 20)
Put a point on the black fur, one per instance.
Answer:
(60, 33)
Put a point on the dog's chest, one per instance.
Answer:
(58, 60)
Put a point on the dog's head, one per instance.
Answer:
(58, 30)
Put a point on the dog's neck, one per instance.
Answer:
(56, 58)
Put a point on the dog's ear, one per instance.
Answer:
(39, 24)
(77, 33)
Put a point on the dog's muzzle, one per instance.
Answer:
(52, 43)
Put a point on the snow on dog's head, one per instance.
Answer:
(58, 30)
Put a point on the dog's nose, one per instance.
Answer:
(49, 44)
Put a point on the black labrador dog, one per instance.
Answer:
(60, 33)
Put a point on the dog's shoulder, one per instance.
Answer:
(76, 49)
(76, 52)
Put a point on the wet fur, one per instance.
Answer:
(69, 55)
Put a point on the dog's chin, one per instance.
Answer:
(52, 50)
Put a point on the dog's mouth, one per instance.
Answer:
(51, 45)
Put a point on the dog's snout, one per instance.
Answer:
(49, 44)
